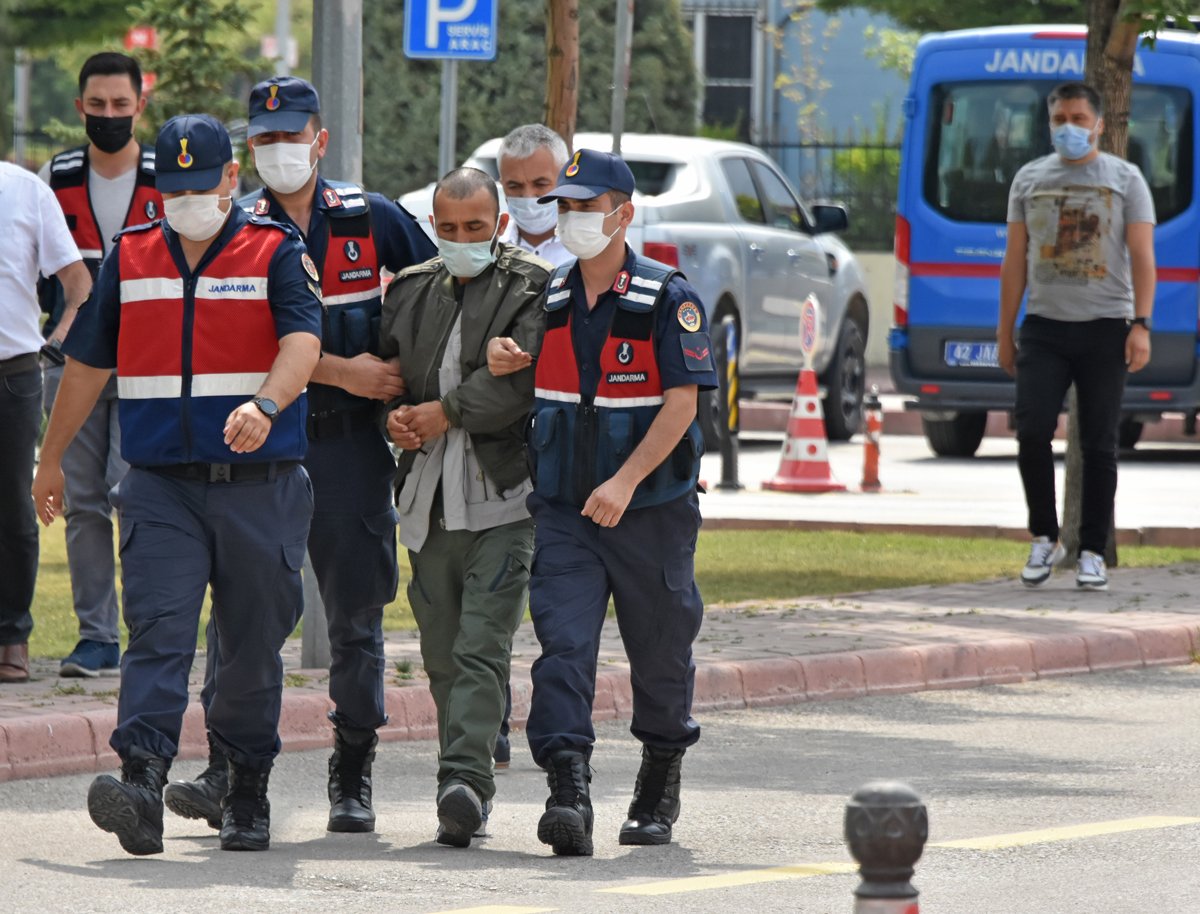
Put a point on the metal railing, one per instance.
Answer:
(38, 148)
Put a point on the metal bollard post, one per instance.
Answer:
(886, 827)
(314, 639)
(873, 422)
(729, 409)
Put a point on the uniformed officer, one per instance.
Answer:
(212, 320)
(617, 455)
(351, 236)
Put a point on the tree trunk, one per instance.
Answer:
(562, 67)
(1111, 44)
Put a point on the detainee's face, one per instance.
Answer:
(533, 176)
(110, 96)
(1076, 111)
(472, 218)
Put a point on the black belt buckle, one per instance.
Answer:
(219, 472)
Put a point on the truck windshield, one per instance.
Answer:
(982, 132)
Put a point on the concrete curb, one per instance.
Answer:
(58, 744)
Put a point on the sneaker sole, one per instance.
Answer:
(459, 819)
(563, 830)
(75, 671)
(182, 800)
(111, 811)
(1083, 585)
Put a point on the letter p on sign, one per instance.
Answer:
(445, 11)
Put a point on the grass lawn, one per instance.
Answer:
(731, 566)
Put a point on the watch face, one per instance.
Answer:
(269, 407)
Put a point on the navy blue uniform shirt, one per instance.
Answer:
(589, 330)
(293, 305)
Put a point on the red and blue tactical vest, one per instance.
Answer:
(579, 441)
(188, 354)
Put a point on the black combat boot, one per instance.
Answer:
(655, 805)
(201, 798)
(132, 808)
(566, 825)
(246, 814)
(350, 780)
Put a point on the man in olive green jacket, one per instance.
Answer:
(462, 477)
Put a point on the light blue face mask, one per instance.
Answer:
(1072, 141)
(467, 259)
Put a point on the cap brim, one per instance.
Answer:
(172, 182)
(282, 121)
(574, 192)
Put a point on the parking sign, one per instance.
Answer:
(450, 29)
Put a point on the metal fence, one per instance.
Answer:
(38, 148)
(863, 176)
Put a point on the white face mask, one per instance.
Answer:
(532, 217)
(583, 233)
(285, 167)
(467, 259)
(196, 217)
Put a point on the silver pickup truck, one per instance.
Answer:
(724, 214)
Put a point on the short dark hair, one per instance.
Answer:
(1065, 91)
(315, 120)
(466, 182)
(110, 63)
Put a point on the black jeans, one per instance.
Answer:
(20, 422)
(1052, 355)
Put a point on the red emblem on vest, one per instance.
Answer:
(262, 207)
(331, 197)
(621, 286)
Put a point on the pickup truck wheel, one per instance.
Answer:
(845, 380)
(710, 410)
(1129, 433)
(957, 437)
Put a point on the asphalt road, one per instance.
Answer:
(1102, 770)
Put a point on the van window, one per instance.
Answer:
(745, 194)
(981, 133)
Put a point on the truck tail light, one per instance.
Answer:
(900, 282)
(662, 252)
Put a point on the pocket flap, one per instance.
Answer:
(293, 554)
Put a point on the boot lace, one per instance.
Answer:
(650, 791)
(566, 787)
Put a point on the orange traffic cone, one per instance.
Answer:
(804, 462)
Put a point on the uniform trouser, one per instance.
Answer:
(468, 593)
(247, 541)
(1052, 355)
(92, 466)
(646, 563)
(352, 545)
(20, 422)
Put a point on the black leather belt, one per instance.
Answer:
(18, 363)
(226, 472)
(339, 422)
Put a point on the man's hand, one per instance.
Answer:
(246, 429)
(48, 486)
(410, 427)
(504, 356)
(1007, 352)
(608, 501)
(369, 376)
(1137, 348)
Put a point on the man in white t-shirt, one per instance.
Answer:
(102, 187)
(35, 239)
(530, 158)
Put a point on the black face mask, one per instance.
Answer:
(109, 134)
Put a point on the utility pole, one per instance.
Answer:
(337, 73)
(448, 129)
(283, 36)
(562, 67)
(21, 76)
(622, 49)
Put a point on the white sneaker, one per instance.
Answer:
(1044, 554)
(1091, 574)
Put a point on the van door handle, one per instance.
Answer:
(756, 249)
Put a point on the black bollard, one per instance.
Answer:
(886, 827)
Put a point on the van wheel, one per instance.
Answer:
(1129, 433)
(844, 381)
(710, 409)
(957, 437)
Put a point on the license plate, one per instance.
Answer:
(972, 355)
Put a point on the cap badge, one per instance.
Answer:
(573, 168)
(184, 158)
(273, 102)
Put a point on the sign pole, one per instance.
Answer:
(449, 125)
(622, 48)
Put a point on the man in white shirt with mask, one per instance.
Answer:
(530, 158)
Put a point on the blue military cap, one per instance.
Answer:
(590, 174)
(191, 153)
(282, 103)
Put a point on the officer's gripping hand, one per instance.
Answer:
(48, 486)
(369, 376)
(397, 428)
(608, 501)
(246, 429)
(505, 356)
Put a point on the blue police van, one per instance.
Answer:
(975, 113)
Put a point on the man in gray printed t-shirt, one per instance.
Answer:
(1081, 241)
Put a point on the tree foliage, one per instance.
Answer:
(39, 24)
(402, 97)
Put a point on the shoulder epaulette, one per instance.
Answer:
(521, 261)
(558, 293)
(147, 161)
(432, 265)
(341, 199)
(68, 161)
